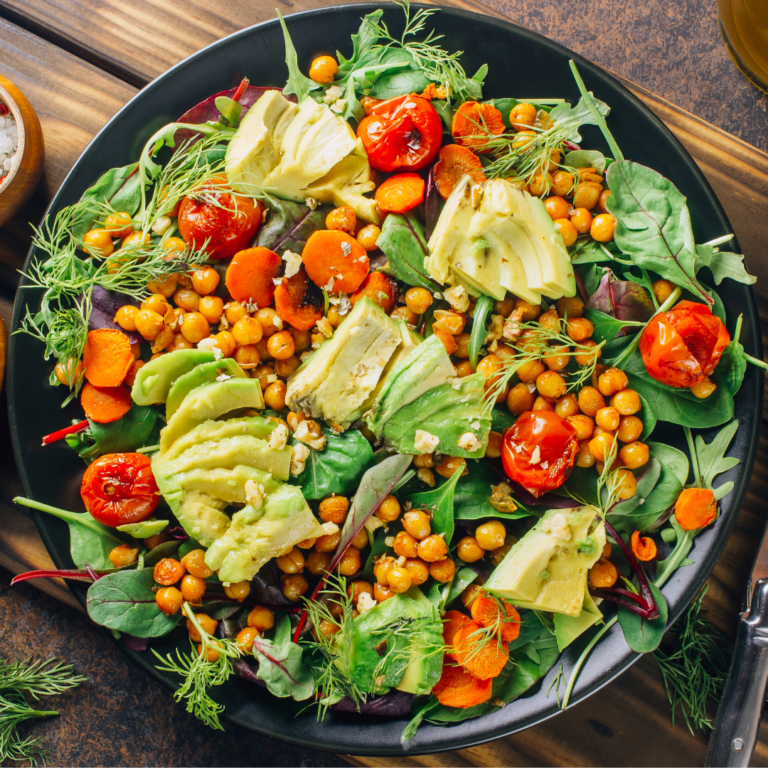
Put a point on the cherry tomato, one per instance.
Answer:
(214, 214)
(401, 133)
(683, 346)
(539, 451)
(120, 488)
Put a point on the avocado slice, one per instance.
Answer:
(345, 184)
(201, 374)
(568, 628)
(449, 234)
(338, 378)
(154, 380)
(547, 569)
(257, 426)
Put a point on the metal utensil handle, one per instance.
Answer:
(738, 716)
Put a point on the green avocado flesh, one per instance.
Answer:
(208, 462)
(492, 238)
(547, 569)
(155, 379)
(202, 374)
(398, 644)
(568, 628)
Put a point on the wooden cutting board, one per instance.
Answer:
(74, 98)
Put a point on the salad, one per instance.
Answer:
(376, 374)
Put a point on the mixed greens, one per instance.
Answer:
(387, 453)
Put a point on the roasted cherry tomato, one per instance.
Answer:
(539, 451)
(683, 346)
(401, 133)
(119, 488)
(215, 214)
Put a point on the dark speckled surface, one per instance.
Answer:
(121, 716)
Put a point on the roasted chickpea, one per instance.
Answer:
(527, 310)
(530, 371)
(587, 194)
(169, 600)
(263, 374)
(294, 586)
(192, 588)
(225, 341)
(603, 227)
(662, 289)
(194, 562)
(562, 183)
(248, 330)
(450, 465)
(205, 280)
(602, 200)
(432, 549)
(551, 385)
(165, 288)
(207, 624)
(443, 571)
(418, 300)
(418, 569)
(634, 455)
(603, 574)
(469, 550)
(491, 535)
(522, 139)
(464, 369)
(626, 484)
(323, 69)
(389, 510)
(557, 207)
(540, 184)
(350, 562)
(211, 654)
(590, 401)
(281, 345)
(118, 224)
(612, 381)
(270, 322)
(424, 460)
(630, 429)
(186, 299)
(406, 315)
(238, 590)
(542, 404)
(168, 571)
(382, 592)
(98, 243)
(382, 567)
(274, 395)
(195, 327)
(261, 618)
(589, 355)
(123, 555)
(317, 562)
(567, 406)
(523, 115)
(581, 219)
(493, 449)
(175, 247)
(703, 388)
(417, 523)
(234, 311)
(302, 340)
(245, 639)
(600, 445)
(211, 308)
(361, 539)
(343, 219)
(334, 509)
(570, 307)
(405, 545)
(462, 345)
(69, 372)
(156, 303)
(368, 236)
(149, 324)
(579, 329)
(627, 402)
(358, 588)
(329, 542)
(291, 562)
(608, 419)
(126, 317)
(585, 457)
(247, 357)
(504, 306)
(399, 579)
(497, 555)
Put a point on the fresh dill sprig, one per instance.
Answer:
(40, 678)
(200, 674)
(694, 673)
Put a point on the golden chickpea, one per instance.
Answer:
(443, 571)
(608, 419)
(69, 372)
(136, 240)
(581, 219)
(343, 219)
(302, 340)
(350, 562)
(389, 510)
(382, 592)
(557, 207)
(600, 445)
(418, 569)
(205, 280)
(261, 618)
(469, 550)
(280, 345)
(98, 243)
(590, 401)
(530, 371)
(570, 307)
(119, 224)
(540, 183)
(602, 200)
(462, 346)
(627, 402)
(291, 562)
(211, 308)
(603, 574)
(522, 139)
(585, 458)
(567, 231)
(520, 399)
(504, 307)
(192, 588)
(179, 342)
(245, 639)
(308, 543)
(238, 590)
(328, 543)
(247, 357)
(579, 329)
(562, 183)
(317, 563)
(286, 368)
(489, 366)
(382, 567)
(163, 340)
(630, 429)
(464, 369)
(603, 227)
(361, 539)
(194, 562)
(551, 385)
(662, 289)
(323, 69)
(368, 236)
(399, 579)
(294, 586)
(169, 600)
(493, 449)
(123, 555)
(130, 377)
(417, 523)
(634, 455)
(432, 549)
(450, 465)
(225, 341)
(248, 330)
(358, 588)
(126, 317)
(587, 194)
(270, 322)
(626, 484)
(550, 320)
(418, 300)
(175, 247)
(523, 115)
(186, 299)
(497, 555)
(207, 624)
(567, 406)
(405, 314)
(173, 318)
(491, 535)
(263, 373)
(234, 311)
(274, 395)
(452, 322)
(405, 545)
(424, 460)
(195, 327)
(334, 509)
(333, 317)
(149, 324)
(589, 355)
(542, 404)
(527, 310)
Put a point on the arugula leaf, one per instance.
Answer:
(440, 502)
(280, 664)
(723, 264)
(298, 83)
(678, 557)
(712, 460)
(574, 117)
(585, 158)
(338, 467)
(362, 43)
(289, 225)
(130, 432)
(642, 635)
(125, 601)
(403, 243)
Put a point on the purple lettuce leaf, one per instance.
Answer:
(621, 299)
(138, 644)
(207, 110)
(393, 704)
(104, 306)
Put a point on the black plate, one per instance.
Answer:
(521, 64)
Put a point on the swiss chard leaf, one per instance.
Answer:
(289, 225)
(338, 467)
(712, 460)
(130, 432)
(642, 635)
(125, 601)
(723, 264)
(440, 502)
(403, 243)
(280, 664)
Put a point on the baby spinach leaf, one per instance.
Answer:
(531, 628)
(463, 578)
(280, 664)
(406, 77)
(644, 636)
(648, 418)
(166, 549)
(606, 327)
(713, 461)
(589, 251)
(125, 601)
(585, 158)
(723, 264)
(440, 502)
(338, 467)
(403, 243)
(504, 106)
(674, 476)
(144, 529)
(118, 188)
(289, 225)
(582, 485)
(130, 432)
(472, 497)
(732, 367)
(501, 420)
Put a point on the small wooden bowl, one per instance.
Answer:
(20, 183)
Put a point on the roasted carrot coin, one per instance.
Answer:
(479, 652)
(453, 621)
(486, 612)
(474, 122)
(457, 688)
(695, 508)
(455, 162)
(107, 357)
(380, 288)
(644, 548)
(105, 404)
(400, 193)
(250, 276)
(298, 302)
(335, 261)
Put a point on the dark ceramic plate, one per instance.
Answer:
(521, 64)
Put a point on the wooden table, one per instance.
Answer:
(78, 61)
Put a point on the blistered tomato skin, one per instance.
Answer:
(683, 346)
(539, 451)
(403, 133)
(226, 221)
(119, 488)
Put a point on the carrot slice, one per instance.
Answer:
(455, 162)
(296, 304)
(695, 508)
(250, 275)
(457, 688)
(380, 288)
(473, 122)
(400, 193)
(107, 357)
(487, 613)
(482, 655)
(453, 621)
(105, 404)
(335, 261)
(643, 547)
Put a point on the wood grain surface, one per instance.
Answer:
(79, 61)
